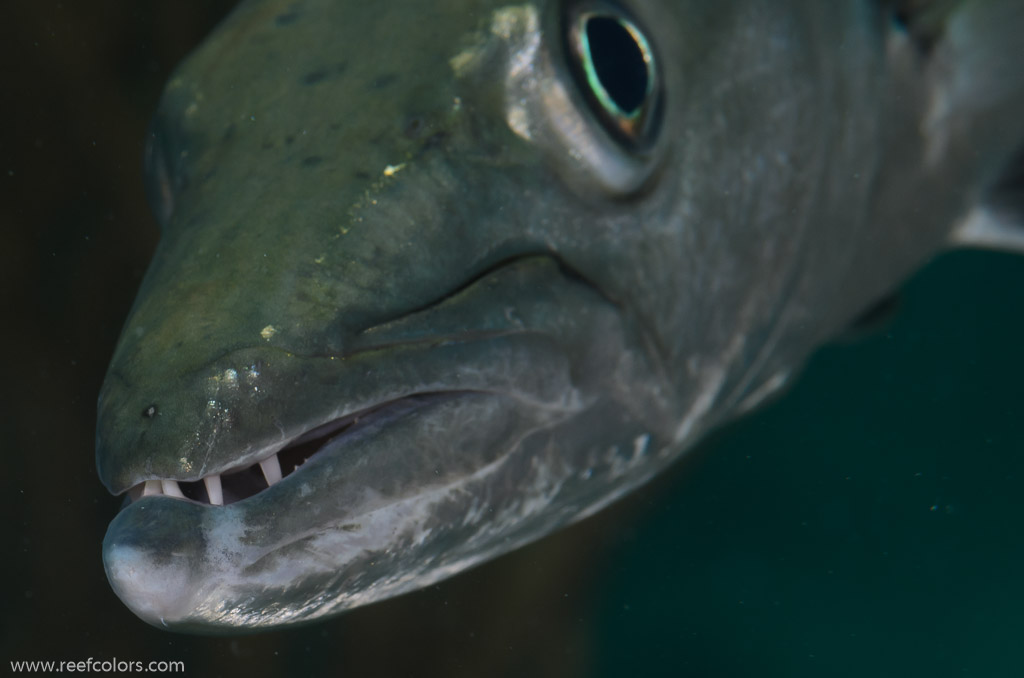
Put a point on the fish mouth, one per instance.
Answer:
(280, 461)
(432, 449)
(383, 504)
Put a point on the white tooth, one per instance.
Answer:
(151, 487)
(213, 490)
(171, 488)
(271, 469)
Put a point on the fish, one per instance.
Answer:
(437, 279)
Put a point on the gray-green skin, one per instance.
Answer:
(363, 201)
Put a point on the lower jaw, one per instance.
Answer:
(371, 491)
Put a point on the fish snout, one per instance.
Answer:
(153, 558)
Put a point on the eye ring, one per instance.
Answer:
(616, 68)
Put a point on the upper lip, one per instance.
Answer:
(279, 461)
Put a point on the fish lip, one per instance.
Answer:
(330, 429)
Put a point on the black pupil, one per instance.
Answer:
(618, 62)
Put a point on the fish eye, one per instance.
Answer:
(615, 67)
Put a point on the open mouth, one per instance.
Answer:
(234, 485)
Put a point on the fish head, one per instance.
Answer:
(434, 279)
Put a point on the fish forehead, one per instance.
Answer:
(279, 152)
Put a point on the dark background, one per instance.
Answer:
(869, 523)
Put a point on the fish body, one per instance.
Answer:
(436, 279)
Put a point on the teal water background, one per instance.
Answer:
(867, 524)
